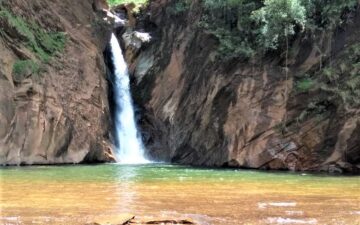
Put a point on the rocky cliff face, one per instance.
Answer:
(201, 110)
(53, 89)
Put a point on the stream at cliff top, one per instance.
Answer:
(80, 194)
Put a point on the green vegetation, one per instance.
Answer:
(180, 7)
(118, 2)
(246, 28)
(304, 85)
(277, 20)
(253, 29)
(24, 68)
(43, 43)
(230, 21)
(325, 14)
(342, 79)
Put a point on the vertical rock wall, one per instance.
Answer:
(60, 112)
(202, 110)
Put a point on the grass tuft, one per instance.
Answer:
(305, 84)
(24, 68)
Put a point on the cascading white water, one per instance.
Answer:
(130, 149)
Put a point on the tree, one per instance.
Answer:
(278, 19)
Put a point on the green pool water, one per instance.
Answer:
(82, 194)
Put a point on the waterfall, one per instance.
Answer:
(130, 149)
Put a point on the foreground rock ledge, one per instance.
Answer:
(128, 219)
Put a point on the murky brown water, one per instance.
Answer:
(80, 194)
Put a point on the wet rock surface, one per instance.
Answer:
(201, 110)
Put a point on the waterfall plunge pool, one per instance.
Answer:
(81, 194)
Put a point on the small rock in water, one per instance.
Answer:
(119, 219)
(128, 219)
(163, 221)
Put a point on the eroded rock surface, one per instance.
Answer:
(201, 110)
(58, 113)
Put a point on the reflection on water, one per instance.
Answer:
(81, 194)
(126, 189)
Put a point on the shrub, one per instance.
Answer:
(326, 14)
(230, 22)
(24, 68)
(181, 6)
(118, 2)
(305, 84)
(178, 7)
